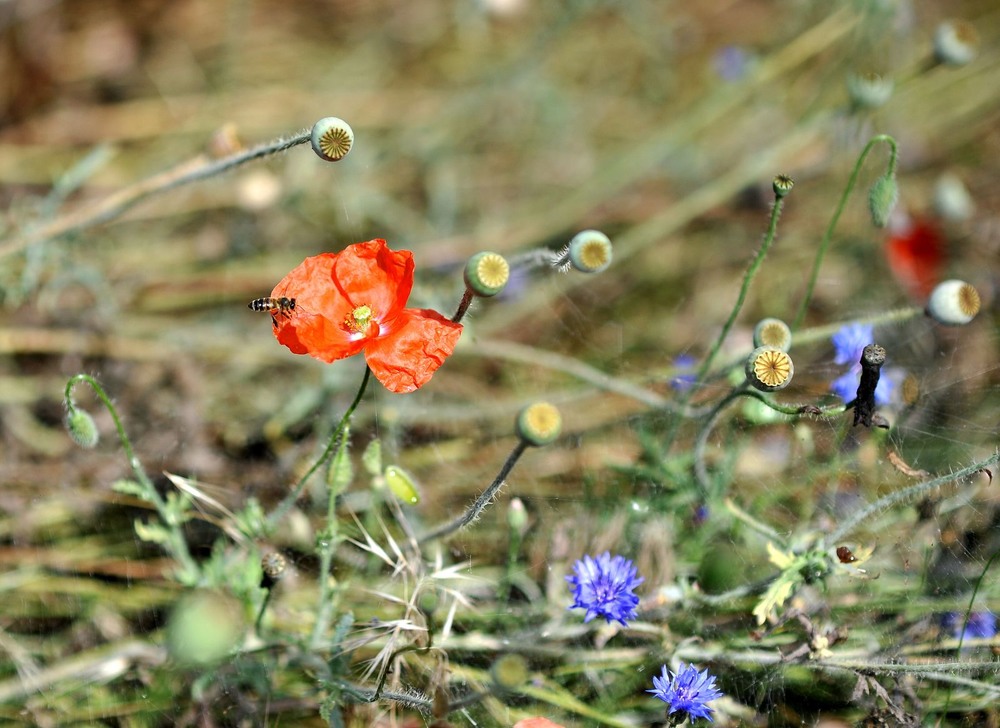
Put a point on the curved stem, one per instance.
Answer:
(828, 235)
(289, 500)
(479, 505)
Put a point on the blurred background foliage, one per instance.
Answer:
(499, 124)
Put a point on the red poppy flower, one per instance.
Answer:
(354, 301)
(916, 253)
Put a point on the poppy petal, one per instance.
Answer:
(406, 358)
(369, 274)
(315, 326)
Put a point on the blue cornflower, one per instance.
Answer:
(980, 625)
(684, 365)
(848, 343)
(603, 586)
(687, 691)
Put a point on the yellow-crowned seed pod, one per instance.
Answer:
(956, 42)
(772, 332)
(868, 90)
(769, 369)
(332, 138)
(402, 485)
(590, 251)
(487, 273)
(953, 303)
(782, 185)
(539, 424)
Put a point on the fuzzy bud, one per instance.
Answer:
(769, 369)
(332, 138)
(882, 199)
(539, 424)
(953, 303)
(868, 90)
(402, 485)
(82, 428)
(486, 274)
(956, 42)
(509, 672)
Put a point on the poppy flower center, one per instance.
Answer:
(360, 320)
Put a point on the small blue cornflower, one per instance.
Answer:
(684, 365)
(604, 587)
(848, 343)
(687, 691)
(981, 625)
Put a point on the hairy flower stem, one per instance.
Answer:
(463, 306)
(193, 170)
(473, 511)
(289, 500)
(905, 495)
(177, 544)
(828, 235)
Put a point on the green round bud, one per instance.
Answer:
(509, 672)
(769, 369)
(82, 428)
(402, 485)
(204, 627)
(590, 251)
(486, 274)
(332, 138)
(517, 516)
(782, 185)
(539, 424)
(772, 332)
(882, 199)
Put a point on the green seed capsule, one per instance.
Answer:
(590, 251)
(769, 369)
(539, 424)
(772, 332)
(402, 485)
(487, 273)
(332, 138)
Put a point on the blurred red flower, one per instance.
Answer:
(916, 253)
(354, 301)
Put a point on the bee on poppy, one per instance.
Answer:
(275, 305)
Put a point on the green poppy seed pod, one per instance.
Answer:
(273, 567)
(953, 303)
(590, 251)
(509, 672)
(882, 199)
(204, 627)
(82, 428)
(539, 424)
(774, 333)
(487, 273)
(956, 42)
(332, 138)
(782, 185)
(402, 485)
(868, 90)
(769, 369)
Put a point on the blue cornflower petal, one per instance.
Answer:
(604, 587)
(687, 691)
(849, 341)
(980, 625)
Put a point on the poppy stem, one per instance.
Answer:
(479, 505)
(463, 307)
(828, 235)
(289, 500)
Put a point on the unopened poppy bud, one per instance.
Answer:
(332, 138)
(882, 199)
(868, 90)
(953, 303)
(772, 332)
(769, 369)
(203, 627)
(590, 251)
(402, 485)
(509, 672)
(952, 200)
(273, 567)
(956, 42)
(486, 274)
(517, 516)
(82, 428)
(782, 185)
(539, 424)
